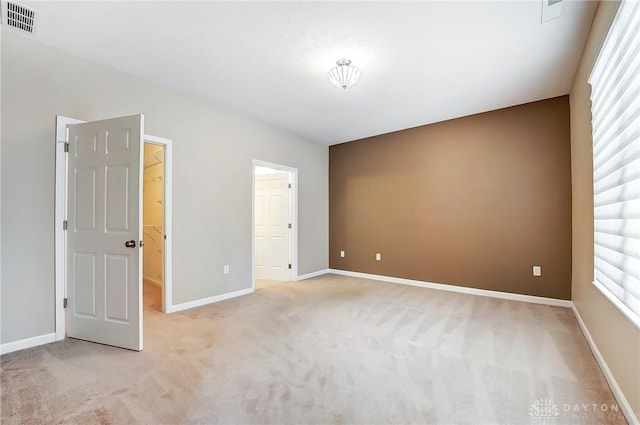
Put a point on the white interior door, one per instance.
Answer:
(272, 218)
(104, 259)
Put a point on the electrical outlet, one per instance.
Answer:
(342, 254)
(226, 269)
(537, 271)
(378, 256)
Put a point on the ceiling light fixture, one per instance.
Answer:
(344, 75)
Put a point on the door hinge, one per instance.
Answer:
(289, 266)
(289, 185)
(65, 224)
(66, 146)
(289, 225)
(64, 303)
(165, 237)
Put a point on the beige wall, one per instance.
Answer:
(213, 150)
(616, 337)
(475, 201)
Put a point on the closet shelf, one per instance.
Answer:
(153, 159)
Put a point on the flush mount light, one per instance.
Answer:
(344, 75)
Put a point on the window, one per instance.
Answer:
(615, 114)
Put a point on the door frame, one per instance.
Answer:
(60, 214)
(293, 205)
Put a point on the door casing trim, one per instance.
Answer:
(60, 214)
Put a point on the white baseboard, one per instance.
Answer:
(613, 384)
(153, 281)
(310, 275)
(10, 347)
(462, 289)
(209, 300)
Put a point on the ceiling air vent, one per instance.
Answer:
(551, 9)
(19, 17)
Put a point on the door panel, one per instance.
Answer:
(104, 276)
(272, 227)
(117, 193)
(117, 273)
(85, 211)
(85, 270)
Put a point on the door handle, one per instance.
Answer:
(130, 244)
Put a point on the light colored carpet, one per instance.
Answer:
(329, 350)
(262, 284)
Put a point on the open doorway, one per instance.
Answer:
(153, 226)
(156, 224)
(274, 224)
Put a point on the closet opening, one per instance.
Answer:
(151, 160)
(154, 229)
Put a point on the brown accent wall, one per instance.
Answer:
(475, 201)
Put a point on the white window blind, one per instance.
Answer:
(615, 110)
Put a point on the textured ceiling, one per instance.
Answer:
(421, 62)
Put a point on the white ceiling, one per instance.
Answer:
(421, 62)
